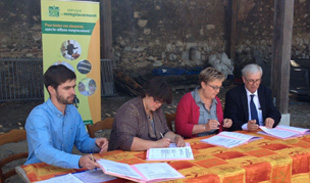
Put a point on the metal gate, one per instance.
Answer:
(22, 79)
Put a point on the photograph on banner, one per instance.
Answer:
(84, 66)
(87, 86)
(70, 49)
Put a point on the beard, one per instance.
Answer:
(63, 100)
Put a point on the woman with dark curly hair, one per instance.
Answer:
(140, 123)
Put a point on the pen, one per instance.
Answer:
(92, 158)
(161, 135)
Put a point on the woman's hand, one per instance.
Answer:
(212, 125)
(179, 141)
(164, 142)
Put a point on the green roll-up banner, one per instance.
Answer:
(71, 33)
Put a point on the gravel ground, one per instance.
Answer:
(14, 114)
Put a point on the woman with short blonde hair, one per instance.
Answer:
(199, 112)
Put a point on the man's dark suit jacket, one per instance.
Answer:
(236, 106)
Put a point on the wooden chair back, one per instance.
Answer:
(170, 118)
(12, 136)
(100, 125)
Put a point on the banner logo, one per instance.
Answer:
(53, 11)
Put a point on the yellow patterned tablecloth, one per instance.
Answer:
(265, 160)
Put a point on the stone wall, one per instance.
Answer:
(174, 33)
(20, 29)
(301, 30)
(170, 33)
(255, 31)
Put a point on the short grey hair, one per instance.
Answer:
(252, 69)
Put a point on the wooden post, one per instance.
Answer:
(233, 36)
(231, 28)
(281, 52)
(106, 29)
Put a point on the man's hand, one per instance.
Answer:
(103, 144)
(227, 123)
(164, 142)
(269, 122)
(179, 141)
(252, 126)
(87, 162)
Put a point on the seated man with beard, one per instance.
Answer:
(55, 126)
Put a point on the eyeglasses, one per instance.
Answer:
(215, 87)
(251, 81)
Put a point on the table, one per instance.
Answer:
(22, 174)
(265, 160)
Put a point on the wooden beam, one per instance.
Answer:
(281, 52)
(231, 28)
(233, 34)
(106, 29)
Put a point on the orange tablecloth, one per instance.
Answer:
(265, 160)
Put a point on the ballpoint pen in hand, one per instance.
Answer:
(161, 135)
(92, 158)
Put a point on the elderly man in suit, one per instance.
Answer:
(250, 105)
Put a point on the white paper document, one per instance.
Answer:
(174, 145)
(144, 172)
(170, 154)
(93, 176)
(69, 178)
(284, 132)
(230, 139)
(153, 171)
(116, 168)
